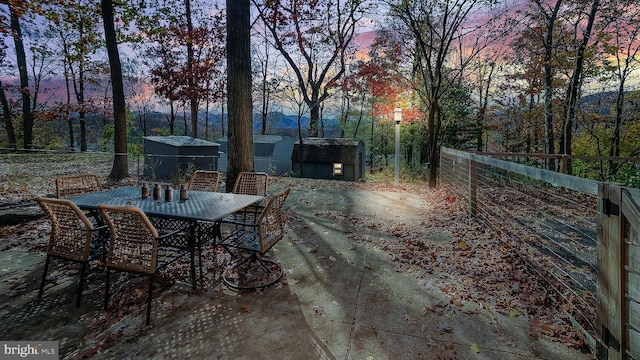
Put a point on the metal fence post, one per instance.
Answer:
(473, 185)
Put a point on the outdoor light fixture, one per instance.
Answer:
(337, 169)
(397, 116)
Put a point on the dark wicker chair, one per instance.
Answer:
(133, 247)
(256, 240)
(73, 237)
(202, 180)
(70, 185)
(249, 183)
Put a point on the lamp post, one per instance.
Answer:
(397, 116)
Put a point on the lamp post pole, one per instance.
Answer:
(397, 116)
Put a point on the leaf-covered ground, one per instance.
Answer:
(470, 263)
(463, 259)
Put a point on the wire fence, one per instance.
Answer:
(552, 228)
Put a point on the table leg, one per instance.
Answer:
(193, 242)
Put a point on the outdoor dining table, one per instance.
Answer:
(201, 213)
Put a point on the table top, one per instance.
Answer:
(201, 205)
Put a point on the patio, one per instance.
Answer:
(343, 297)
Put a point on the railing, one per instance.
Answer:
(550, 220)
(581, 236)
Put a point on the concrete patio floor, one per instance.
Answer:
(339, 299)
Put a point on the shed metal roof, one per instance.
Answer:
(327, 150)
(330, 141)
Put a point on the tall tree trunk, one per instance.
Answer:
(484, 103)
(434, 124)
(6, 114)
(314, 120)
(81, 111)
(206, 119)
(548, 111)
(548, 81)
(67, 110)
(184, 119)
(240, 132)
(120, 169)
(345, 107)
(360, 115)
(574, 89)
(27, 116)
(172, 118)
(265, 89)
(614, 149)
(193, 96)
(222, 127)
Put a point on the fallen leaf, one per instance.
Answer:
(444, 327)
(448, 353)
(320, 310)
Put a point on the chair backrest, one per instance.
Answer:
(70, 185)
(271, 224)
(252, 183)
(70, 229)
(202, 180)
(133, 245)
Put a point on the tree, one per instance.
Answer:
(165, 77)
(120, 169)
(625, 48)
(140, 95)
(575, 83)
(291, 95)
(550, 13)
(355, 99)
(435, 27)
(186, 51)
(240, 132)
(76, 24)
(320, 32)
(16, 10)
(527, 83)
(386, 85)
(268, 68)
(485, 68)
(7, 117)
(193, 94)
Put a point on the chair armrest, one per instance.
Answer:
(242, 239)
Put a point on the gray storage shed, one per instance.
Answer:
(169, 157)
(329, 158)
(271, 153)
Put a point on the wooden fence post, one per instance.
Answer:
(610, 275)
